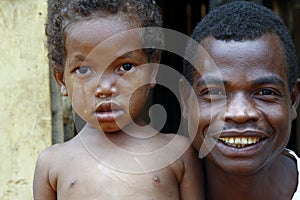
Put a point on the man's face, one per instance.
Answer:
(248, 104)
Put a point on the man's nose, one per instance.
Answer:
(240, 108)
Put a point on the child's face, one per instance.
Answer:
(108, 81)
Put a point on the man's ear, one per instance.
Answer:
(295, 97)
(184, 97)
(59, 77)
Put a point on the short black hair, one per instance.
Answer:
(242, 20)
(143, 13)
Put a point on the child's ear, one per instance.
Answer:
(59, 77)
(184, 97)
(154, 70)
(295, 96)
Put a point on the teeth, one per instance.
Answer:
(239, 142)
(244, 141)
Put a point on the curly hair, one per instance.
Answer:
(242, 20)
(62, 13)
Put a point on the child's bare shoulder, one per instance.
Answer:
(186, 161)
(179, 147)
(57, 153)
(176, 141)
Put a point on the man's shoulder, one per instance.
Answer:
(291, 154)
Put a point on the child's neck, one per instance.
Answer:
(131, 138)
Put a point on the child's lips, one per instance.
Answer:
(108, 111)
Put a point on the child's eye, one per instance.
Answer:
(83, 70)
(126, 67)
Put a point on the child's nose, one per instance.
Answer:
(106, 87)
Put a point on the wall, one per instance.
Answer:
(25, 116)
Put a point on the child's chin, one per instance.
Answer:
(109, 128)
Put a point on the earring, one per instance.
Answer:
(63, 91)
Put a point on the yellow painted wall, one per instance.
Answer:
(25, 116)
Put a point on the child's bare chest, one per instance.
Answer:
(96, 181)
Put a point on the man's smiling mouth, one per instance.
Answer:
(240, 142)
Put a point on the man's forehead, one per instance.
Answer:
(265, 53)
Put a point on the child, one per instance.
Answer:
(108, 76)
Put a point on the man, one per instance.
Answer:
(245, 81)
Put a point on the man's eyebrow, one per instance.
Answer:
(268, 79)
(204, 80)
(271, 79)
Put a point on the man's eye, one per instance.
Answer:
(83, 70)
(126, 67)
(266, 92)
(213, 95)
(214, 91)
